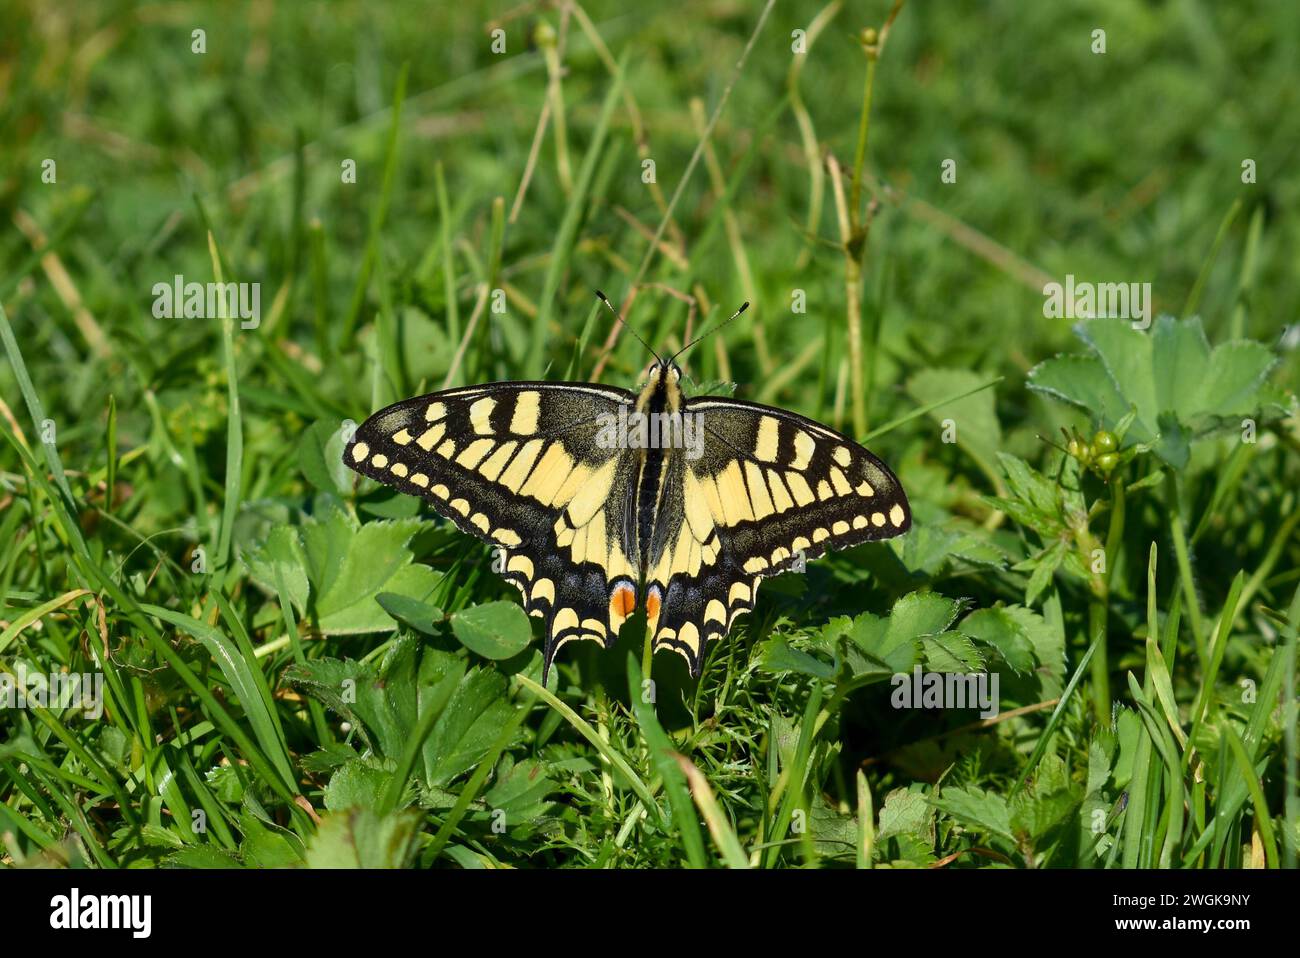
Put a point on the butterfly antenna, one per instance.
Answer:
(743, 307)
(624, 323)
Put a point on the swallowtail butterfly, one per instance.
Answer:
(606, 500)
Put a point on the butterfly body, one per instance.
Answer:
(606, 501)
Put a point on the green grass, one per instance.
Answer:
(280, 643)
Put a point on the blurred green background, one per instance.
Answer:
(1122, 166)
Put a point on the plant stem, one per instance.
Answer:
(1179, 536)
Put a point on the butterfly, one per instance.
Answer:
(606, 501)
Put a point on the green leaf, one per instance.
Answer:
(871, 648)
(342, 566)
(359, 783)
(279, 558)
(421, 616)
(520, 790)
(999, 627)
(928, 549)
(1180, 367)
(474, 715)
(779, 656)
(1236, 374)
(264, 846)
(1047, 802)
(203, 856)
(384, 700)
(905, 813)
(1044, 566)
(320, 457)
(1034, 490)
(983, 811)
(951, 652)
(1179, 388)
(360, 838)
(495, 630)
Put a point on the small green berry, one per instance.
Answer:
(1103, 442)
(1106, 463)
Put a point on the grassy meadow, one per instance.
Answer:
(298, 667)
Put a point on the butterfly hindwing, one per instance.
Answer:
(518, 466)
(769, 489)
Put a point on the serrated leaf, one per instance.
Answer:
(520, 790)
(1045, 565)
(280, 555)
(997, 628)
(264, 846)
(779, 656)
(360, 838)
(1237, 371)
(472, 719)
(1098, 768)
(336, 567)
(1179, 387)
(951, 652)
(1048, 802)
(1083, 381)
(905, 813)
(359, 783)
(977, 809)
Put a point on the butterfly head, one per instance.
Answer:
(661, 387)
(661, 371)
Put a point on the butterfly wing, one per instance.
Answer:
(768, 490)
(519, 465)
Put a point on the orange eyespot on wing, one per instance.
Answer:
(623, 601)
(653, 601)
